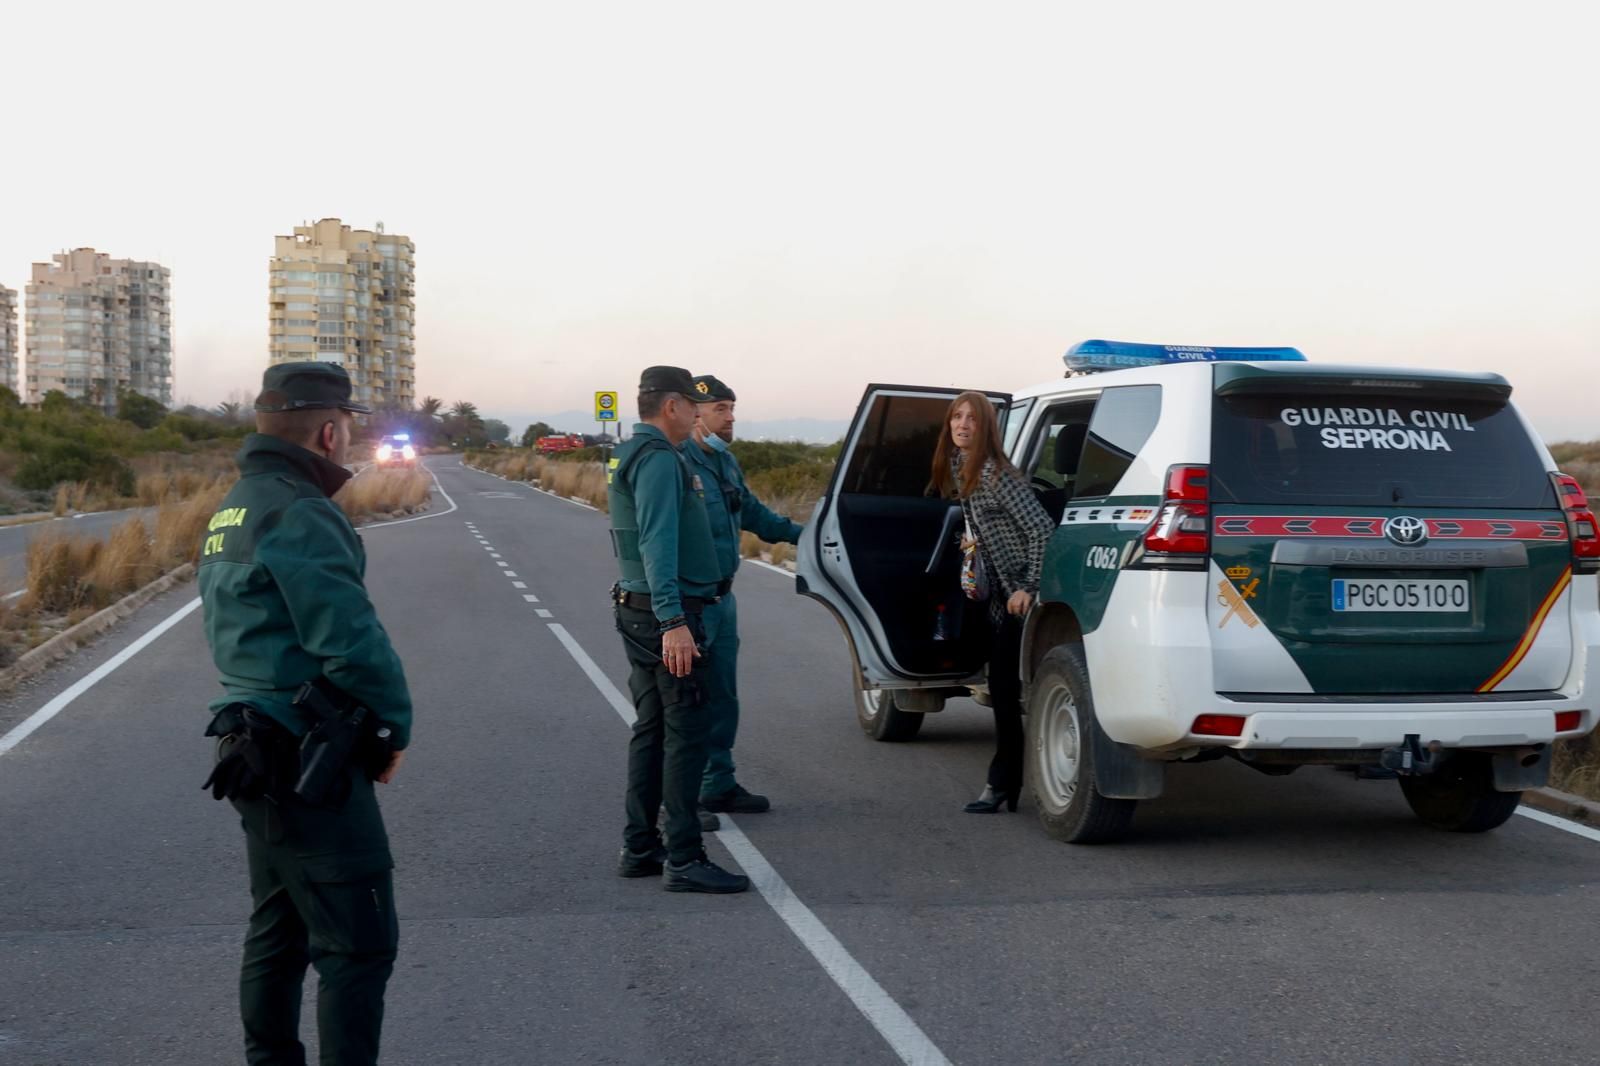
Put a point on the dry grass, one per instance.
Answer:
(1576, 766)
(383, 493)
(782, 553)
(749, 545)
(575, 480)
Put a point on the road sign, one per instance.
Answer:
(605, 407)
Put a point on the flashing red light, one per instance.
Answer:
(1218, 725)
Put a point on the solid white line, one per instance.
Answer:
(775, 569)
(12, 595)
(903, 1035)
(84, 684)
(1560, 823)
(420, 517)
(530, 597)
(542, 613)
(519, 584)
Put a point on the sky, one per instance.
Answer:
(803, 199)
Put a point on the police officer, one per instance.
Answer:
(732, 507)
(670, 576)
(281, 576)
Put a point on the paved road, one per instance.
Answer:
(14, 540)
(1298, 920)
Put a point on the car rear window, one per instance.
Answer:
(1373, 450)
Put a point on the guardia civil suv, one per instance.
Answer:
(1257, 557)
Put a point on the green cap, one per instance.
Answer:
(671, 379)
(306, 387)
(712, 389)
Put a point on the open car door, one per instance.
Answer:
(883, 554)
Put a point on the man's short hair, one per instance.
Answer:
(649, 404)
(297, 427)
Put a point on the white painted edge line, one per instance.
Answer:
(420, 517)
(775, 569)
(1587, 832)
(897, 1028)
(38, 718)
(12, 595)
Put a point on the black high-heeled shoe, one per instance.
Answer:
(991, 801)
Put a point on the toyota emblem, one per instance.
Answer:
(1403, 529)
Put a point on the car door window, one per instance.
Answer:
(1123, 421)
(1052, 460)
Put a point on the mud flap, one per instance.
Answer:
(1119, 772)
(1517, 772)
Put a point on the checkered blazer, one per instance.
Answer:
(1012, 528)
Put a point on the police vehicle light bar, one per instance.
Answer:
(402, 436)
(1092, 355)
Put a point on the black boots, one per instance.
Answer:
(991, 801)
(703, 875)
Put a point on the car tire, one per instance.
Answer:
(1060, 754)
(881, 718)
(1460, 796)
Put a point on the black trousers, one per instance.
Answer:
(1005, 692)
(322, 886)
(667, 751)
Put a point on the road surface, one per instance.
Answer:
(1307, 919)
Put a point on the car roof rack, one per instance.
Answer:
(1093, 356)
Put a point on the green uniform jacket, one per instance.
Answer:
(724, 481)
(659, 527)
(282, 579)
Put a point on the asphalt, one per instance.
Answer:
(1307, 919)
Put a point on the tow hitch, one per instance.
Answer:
(1409, 758)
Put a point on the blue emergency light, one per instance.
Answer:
(1092, 355)
(402, 436)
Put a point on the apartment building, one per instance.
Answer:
(10, 358)
(97, 326)
(346, 296)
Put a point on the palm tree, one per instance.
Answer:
(429, 407)
(230, 410)
(466, 412)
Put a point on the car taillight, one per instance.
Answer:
(1567, 721)
(1181, 532)
(1218, 725)
(1581, 525)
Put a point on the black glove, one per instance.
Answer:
(241, 772)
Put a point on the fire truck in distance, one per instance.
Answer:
(561, 442)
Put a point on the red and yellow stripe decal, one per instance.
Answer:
(1520, 652)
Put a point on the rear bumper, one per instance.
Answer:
(1463, 725)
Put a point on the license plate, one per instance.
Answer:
(1388, 594)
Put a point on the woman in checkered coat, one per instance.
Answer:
(1011, 528)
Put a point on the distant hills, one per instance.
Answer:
(813, 430)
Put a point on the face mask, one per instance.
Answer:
(716, 443)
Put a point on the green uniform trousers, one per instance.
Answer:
(666, 752)
(722, 695)
(322, 889)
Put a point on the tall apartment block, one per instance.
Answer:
(346, 296)
(97, 326)
(8, 340)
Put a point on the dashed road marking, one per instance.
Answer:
(519, 584)
(542, 613)
(530, 597)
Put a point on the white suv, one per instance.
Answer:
(1257, 557)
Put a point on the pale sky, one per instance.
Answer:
(804, 198)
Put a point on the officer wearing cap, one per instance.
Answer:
(670, 576)
(732, 508)
(301, 651)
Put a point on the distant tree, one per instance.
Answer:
(230, 411)
(463, 426)
(139, 409)
(55, 401)
(496, 430)
(531, 435)
(9, 401)
(429, 407)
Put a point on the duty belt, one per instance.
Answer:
(641, 600)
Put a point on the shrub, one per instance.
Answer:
(384, 492)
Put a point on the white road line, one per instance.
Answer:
(897, 1028)
(420, 517)
(518, 584)
(12, 595)
(494, 555)
(530, 597)
(509, 573)
(84, 684)
(542, 613)
(1574, 828)
(775, 569)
